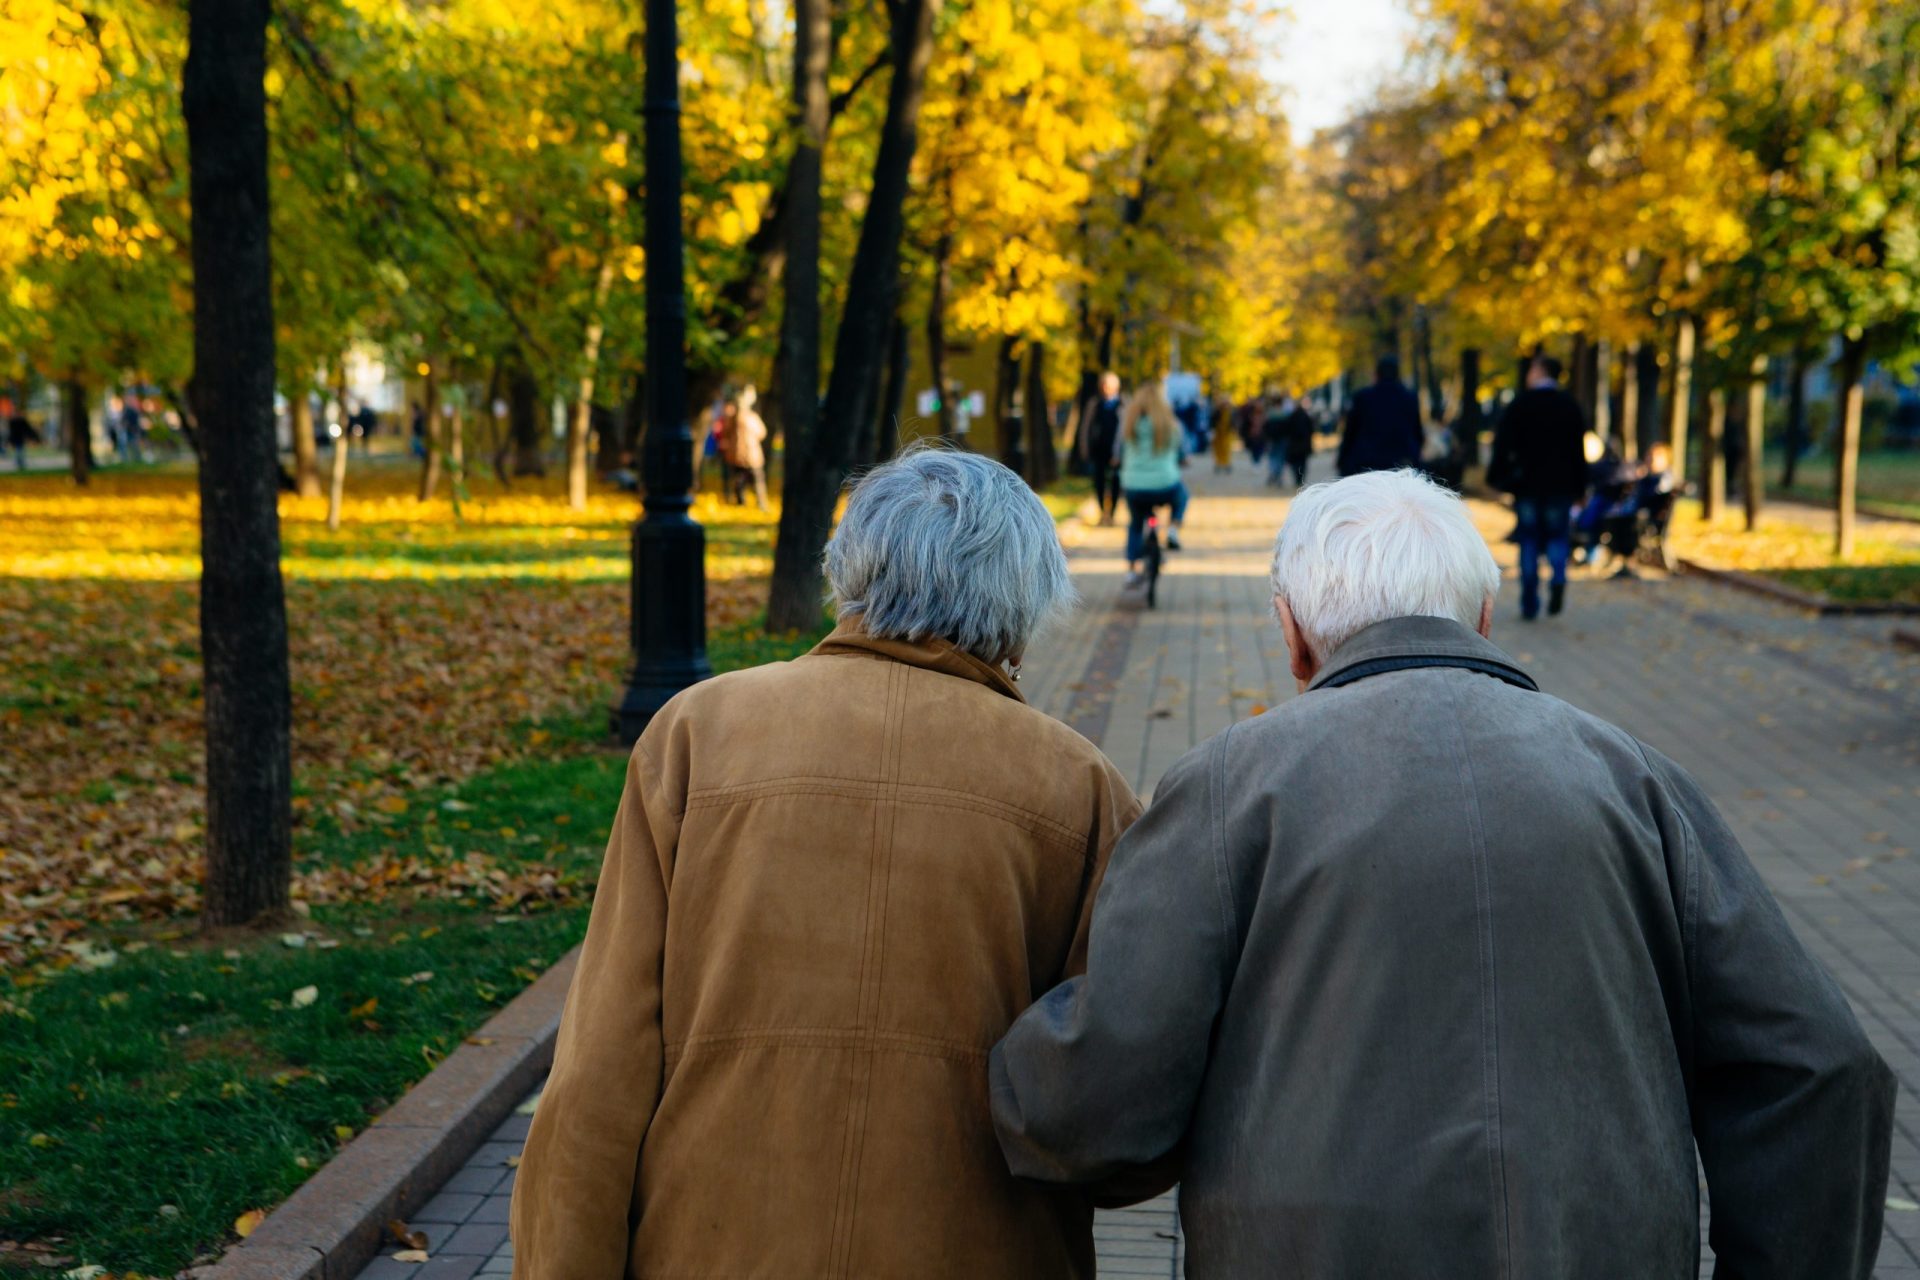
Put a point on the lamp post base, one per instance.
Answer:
(669, 619)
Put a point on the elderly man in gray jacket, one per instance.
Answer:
(1427, 973)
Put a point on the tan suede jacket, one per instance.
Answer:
(831, 887)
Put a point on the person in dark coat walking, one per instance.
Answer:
(1099, 443)
(1426, 972)
(1539, 456)
(1383, 425)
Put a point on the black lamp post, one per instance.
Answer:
(669, 549)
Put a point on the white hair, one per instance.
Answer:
(949, 545)
(1386, 544)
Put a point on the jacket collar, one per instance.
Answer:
(850, 639)
(1400, 643)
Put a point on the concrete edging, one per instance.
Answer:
(336, 1222)
(1825, 606)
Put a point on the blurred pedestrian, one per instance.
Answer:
(1099, 439)
(123, 427)
(1383, 425)
(1253, 426)
(20, 431)
(1222, 427)
(417, 430)
(1539, 456)
(831, 885)
(365, 423)
(1295, 442)
(744, 447)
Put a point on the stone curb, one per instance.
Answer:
(336, 1222)
(1825, 606)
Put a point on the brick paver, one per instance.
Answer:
(1805, 731)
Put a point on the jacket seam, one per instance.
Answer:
(880, 874)
(917, 793)
(1689, 897)
(822, 1037)
(1489, 997)
(1216, 803)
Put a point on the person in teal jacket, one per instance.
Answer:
(1150, 455)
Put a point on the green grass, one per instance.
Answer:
(147, 1103)
(1881, 584)
(184, 1076)
(1889, 481)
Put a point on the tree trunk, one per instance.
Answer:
(1682, 398)
(813, 479)
(1436, 395)
(1796, 417)
(306, 460)
(937, 337)
(800, 319)
(79, 428)
(1009, 444)
(1043, 458)
(431, 465)
(1846, 454)
(1714, 456)
(580, 417)
(1602, 418)
(456, 429)
(1646, 370)
(1629, 405)
(337, 481)
(524, 424)
(243, 619)
(1580, 374)
(886, 440)
(1753, 486)
(1084, 399)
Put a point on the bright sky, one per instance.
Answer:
(1336, 53)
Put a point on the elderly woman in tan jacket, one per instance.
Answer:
(832, 885)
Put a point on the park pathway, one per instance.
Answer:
(1805, 731)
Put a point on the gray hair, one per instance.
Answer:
(949, 545)
(1386, 544)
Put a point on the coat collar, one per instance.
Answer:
(1400, 643)
(850, 640)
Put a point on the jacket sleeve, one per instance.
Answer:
(1792, 1107)
(1099, 1077)
(574, 1193)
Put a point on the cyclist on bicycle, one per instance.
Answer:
(1150, 452)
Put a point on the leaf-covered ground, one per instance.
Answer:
(1799, 552)
(452, 803)
(424, 649)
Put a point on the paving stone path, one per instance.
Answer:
(1805, 731)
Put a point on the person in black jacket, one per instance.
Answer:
(1383, 426)
(1099, 436)
(1539, 456)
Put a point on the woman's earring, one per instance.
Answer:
(1013, 671)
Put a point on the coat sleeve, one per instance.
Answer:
(1792, 1107)
(574, 1194)
(1099, 1077)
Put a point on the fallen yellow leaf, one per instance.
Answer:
(405, 1235)
(243, 1226)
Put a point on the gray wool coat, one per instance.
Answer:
(1428, 974)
